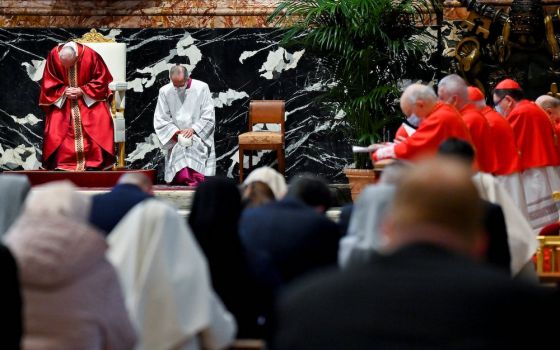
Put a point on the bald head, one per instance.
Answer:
(137, 179)
(453, 90)
(67, 56)
(437, 202)
(418, 99)
(178, 75)
(551, 105)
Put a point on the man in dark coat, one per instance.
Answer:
(426, 291)
(109, 208)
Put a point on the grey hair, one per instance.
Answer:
(417, 92)
(177, 69)
(546, 101)
(393, 172)
(137, 179)
(455, 85)
(67, 51)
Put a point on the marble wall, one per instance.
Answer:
(227, 44)
(238, 64)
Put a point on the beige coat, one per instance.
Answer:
(72, 297)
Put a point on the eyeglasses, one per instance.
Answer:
(500, 100)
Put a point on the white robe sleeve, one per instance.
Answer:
(60, 102)
(204, 126)
(163, 122)
(88, 100)
(222, 329)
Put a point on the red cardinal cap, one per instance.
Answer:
(508, 84)
(475, 94)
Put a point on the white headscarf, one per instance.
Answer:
(364, 229)
(165, 280)
(271, 177)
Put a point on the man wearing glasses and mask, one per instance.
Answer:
(536, 140)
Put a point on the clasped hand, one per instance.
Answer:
(73, 92)
(186, 132)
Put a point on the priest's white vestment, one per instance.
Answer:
(177, 110)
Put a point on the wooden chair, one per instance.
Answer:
(267, 112)
(247, 344)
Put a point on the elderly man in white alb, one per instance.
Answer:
(184, 122)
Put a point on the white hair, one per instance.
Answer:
(546, 101)
(455, 85)
(417, 92)
(67, 52)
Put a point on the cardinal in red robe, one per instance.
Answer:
(75, 93)
(438, 122)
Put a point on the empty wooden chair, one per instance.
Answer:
(266, 112)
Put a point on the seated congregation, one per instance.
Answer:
(438, 254)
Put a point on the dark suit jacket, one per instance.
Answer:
(10, 300)
(421, 297)
(498, 253)
(287, 239)
(109, 208)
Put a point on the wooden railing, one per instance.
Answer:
(547, 259)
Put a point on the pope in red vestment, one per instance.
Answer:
(75, 93)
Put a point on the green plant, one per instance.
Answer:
(367, 47)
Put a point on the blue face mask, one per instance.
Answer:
(500, 110)
(413, 120)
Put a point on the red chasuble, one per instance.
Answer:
(442, 123)
(76, 136)
(480, 133)
(507, 160)
(534, 135)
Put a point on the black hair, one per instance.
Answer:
(516, 94)
(312, 190)
(457, 148)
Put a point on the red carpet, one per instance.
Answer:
(102, 179)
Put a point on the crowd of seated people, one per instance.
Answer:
(422, 262)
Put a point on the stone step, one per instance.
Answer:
(182, 199)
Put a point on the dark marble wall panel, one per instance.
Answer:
(238, 65)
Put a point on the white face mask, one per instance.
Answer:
(500, 110)
(413, 120)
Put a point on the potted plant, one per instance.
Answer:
(367, 47)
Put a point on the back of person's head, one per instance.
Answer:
(509, 87)
(437, 202)
(476, 97)
(256, 193)
(457, 148)
(271, 177)
(137, 179)
(453, 89)
(58, 198)
(215, 210)
(393, 172)
(311, 190)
